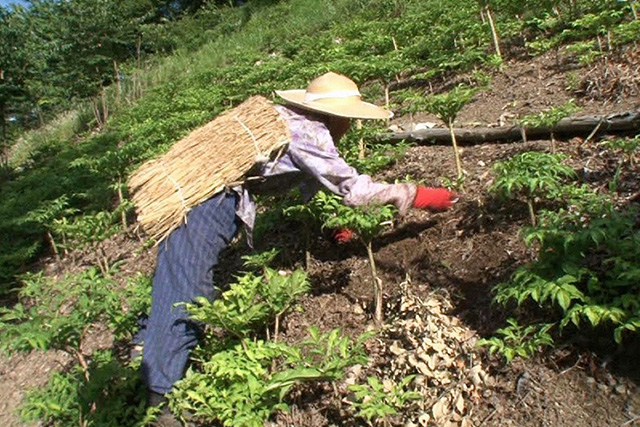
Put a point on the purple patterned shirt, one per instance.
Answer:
(312, 162)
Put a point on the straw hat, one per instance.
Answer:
(336, 95)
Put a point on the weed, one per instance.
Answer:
(585, 52)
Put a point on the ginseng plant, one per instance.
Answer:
(446, 107)
(548, 118)
(242, 378)
(367, 222)
(532, 175)
(46, 215)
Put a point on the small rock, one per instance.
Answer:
(422, 126)
(620, 389)
(523, 383)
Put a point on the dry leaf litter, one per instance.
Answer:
(423, 340)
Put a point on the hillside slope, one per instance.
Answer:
(438, 270)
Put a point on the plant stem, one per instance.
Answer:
(532, 212)
(81, 360)
(276, 328)
(52, 243)
(307, 245)
(123, 214)
(377, 286)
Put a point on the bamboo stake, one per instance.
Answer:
(494, 32)
(377, 287)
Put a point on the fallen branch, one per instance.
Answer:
(628, 121)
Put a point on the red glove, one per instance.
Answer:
(343, 235)
(435, 199)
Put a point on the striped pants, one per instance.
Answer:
(184, 271)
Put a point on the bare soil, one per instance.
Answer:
(438, 271)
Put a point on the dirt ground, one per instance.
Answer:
(438, 271)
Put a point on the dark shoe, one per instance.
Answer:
(156, 399)
(165, 418)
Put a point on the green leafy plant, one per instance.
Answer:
(533, 175)
(330, 352)
(376, 401)
(586, 265)
(453, 184)
(242, 380)
(595, 25)
(361, 149)
(114, 396)
(446, 107)
(261, 260)
(89, 230)
(515, 340)
(549, 118)
(243, 384)
(57, 314)
(627, 146)
(542, 45)
(48, 215)
(253, 300)
(281, 290)
(234, 385)
(368, 222)
(584, 51)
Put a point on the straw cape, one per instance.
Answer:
(201, 164)
(336, 95)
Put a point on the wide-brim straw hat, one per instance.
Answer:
(336, 95)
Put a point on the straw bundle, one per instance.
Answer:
(201, 164)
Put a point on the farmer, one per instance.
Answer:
(317, 118)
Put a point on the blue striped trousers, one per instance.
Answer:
(184, 271)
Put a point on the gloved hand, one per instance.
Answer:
(434, 199)
(343, 235)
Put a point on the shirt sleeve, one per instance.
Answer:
(313, 152)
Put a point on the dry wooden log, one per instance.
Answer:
(626, 122)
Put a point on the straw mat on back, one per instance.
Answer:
(201, 164)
